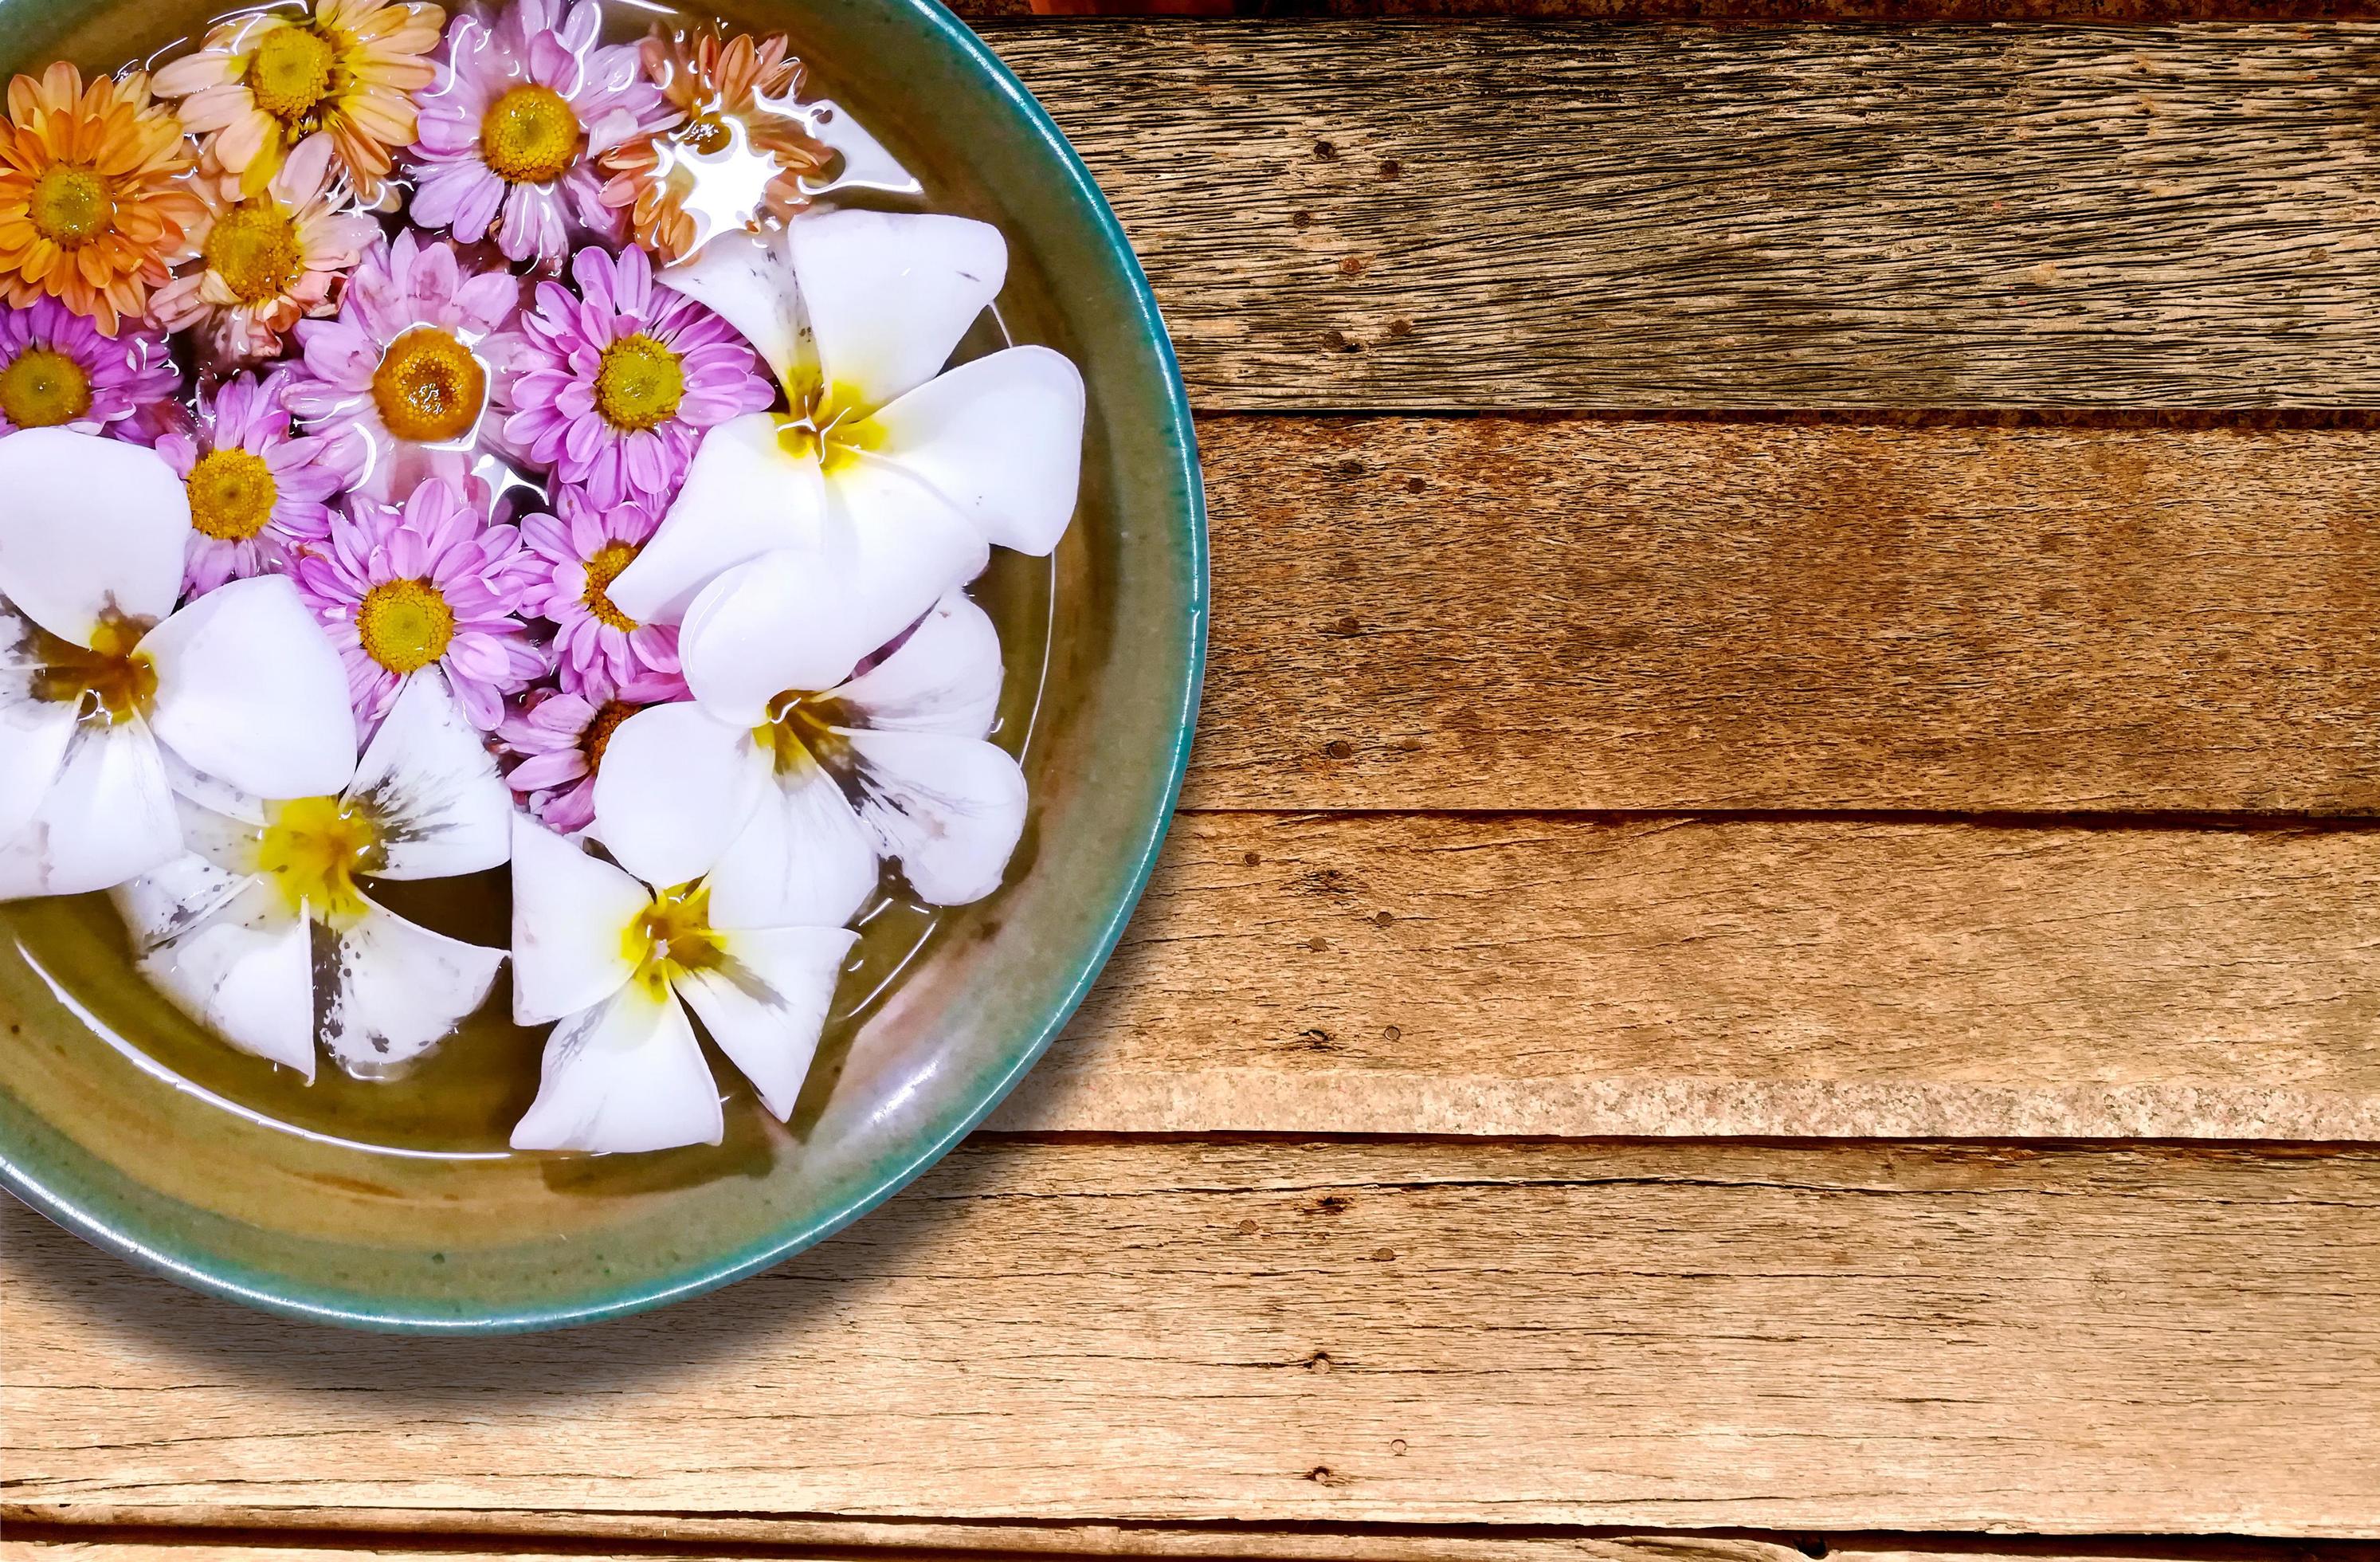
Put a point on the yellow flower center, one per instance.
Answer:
(598, 736)
(43, 388)
(638, 384)
(232, 494)
(830, 423)
(405, 625)
(705, 134)
(290, 72)
(112, 680)
(530, 136)
(71, 206)
(673, 936)
(601, 570)
(429, 386)
(253, 247)
(312, 849)
(800, 731)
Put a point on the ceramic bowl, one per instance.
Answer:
(120, 1123)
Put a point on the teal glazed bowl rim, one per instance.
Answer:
(100, 1201)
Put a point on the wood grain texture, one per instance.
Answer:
(2126, 1341)
(1565, 976)
(1501, 214)
(1495, 613)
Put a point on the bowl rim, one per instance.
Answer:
(216, 1276)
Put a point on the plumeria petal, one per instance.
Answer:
(945, 678)
(431, 788)
(108, 817)
(571, 914)
(1001, 439)
(804, 858)
(950, 809)
(890, 293)
(244, 967)
(767, 1004)
(396, 990)
(248, 691)
(626, 1075)
(744, 495)
(675, 788)
(90, 525)
(33, 732)
(747, 280)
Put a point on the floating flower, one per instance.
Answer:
(617, 964)
(740, 150)
(788, 797)
(263, 931)
(559, 736)
(263, 84)
(268, 259)
(108, 691)
(94, 210)
(511, 128)
(435, 585)
(889, 479)
(613, 389)
(574, 554)
(257, 491)
(400, 379)
(56, 371)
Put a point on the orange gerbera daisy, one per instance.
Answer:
(263, 83)
(738, 151)
(93, 210)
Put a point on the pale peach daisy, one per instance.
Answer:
(263, 83)
(92, 208)
(268, 261)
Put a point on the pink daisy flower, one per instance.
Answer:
(613, 389)
(56, 371)
(399, 380)
(435, 585)
(558, 736)
(511, 128)
(574, 554)
(258, 492)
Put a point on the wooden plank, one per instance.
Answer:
(1491, 613)
(1437, 215)
(1549, 975)
(2130, 1341)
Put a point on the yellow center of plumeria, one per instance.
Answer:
(232, 494)
(601, 570)
(112, 680)
(290, 72)
(830, 423)
(312, 849)
(673, 936)
(71, 206)
(43, 388)
(598, 736)
(638, 384)
(799, 731)
(405, 625)
(253, 247)
(429, 386)
(530, 136)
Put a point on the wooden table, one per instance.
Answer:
(1772, 946)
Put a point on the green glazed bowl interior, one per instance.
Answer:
(150, 1140)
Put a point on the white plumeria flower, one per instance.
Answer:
(786, 798)
(610, 959)
(263, 933)
(109, 698)
(890, 478)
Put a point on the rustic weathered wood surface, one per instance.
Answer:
(1499, 214)
(1834, 779)
(1695, 1335)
